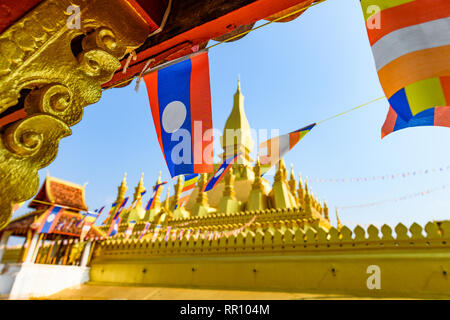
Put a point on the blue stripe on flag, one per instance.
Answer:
(174, 84)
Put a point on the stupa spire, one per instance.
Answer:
(236, 136)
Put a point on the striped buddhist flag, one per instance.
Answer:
(122, 205)
(410, 42)
(113, 206)
(188, 187)
(151, 202)
(220, 173)
(130, 228)
(166, 238)
(271, 151)
(156, 232)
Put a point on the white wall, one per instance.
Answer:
(40, 280)
(8, 273)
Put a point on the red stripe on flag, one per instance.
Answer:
(151, 81)
(445, 83)
(294, 137)
(409, 14)
(389, 124)
(201, 111)
(442, 116)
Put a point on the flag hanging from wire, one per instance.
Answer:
(188, 187)
(411, 46)
(151, 202)
(271, 151)
(50, 219)
(180, 101)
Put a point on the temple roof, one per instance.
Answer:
(60, 192)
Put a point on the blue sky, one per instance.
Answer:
(292, 74)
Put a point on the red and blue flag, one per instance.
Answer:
(180, 101)
(114, 229)
(119, 210)
(151, 202)
(220, 173)
(50, 219)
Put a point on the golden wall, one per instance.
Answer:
(412, 262)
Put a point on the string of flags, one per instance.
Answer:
(402, 198)
(385, 177)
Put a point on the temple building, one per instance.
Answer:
(241, 195)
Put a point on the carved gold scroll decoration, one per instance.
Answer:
(55, 70)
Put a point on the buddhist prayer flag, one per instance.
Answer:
(50, 219)
(147, 226)
(114, 229)
(180, 236)
(166, 238)
(113, 206)
(188, 187)
(220, 173)
(122, 205)
(156, 232)
(151, 202)
(410, 42)
(271, 151)
(130, 228)
(180, 101)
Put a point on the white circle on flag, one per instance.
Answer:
(219, 172)
(51, 217)
(174, 116)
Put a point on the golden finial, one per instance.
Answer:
(229, 184)
(139, 189)
(159, 178)
(307, 200)
(325, 211)
(167, 202)
(292, 182)
(257, 183)
(339, 224)
(202, 197)
(123, 187)
(280, 175)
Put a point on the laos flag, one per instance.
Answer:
(180, 101)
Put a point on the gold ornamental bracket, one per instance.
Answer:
(52, 63)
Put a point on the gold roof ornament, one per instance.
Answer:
(282, 197)
(325, 211)
(257, 199)
(301, 191)
(139, 189)
(229, 203)
(307, 200)
(338, 221)
(180, 212)
(122, 189)
(293, 185)
(137, 213)
(201, 206)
